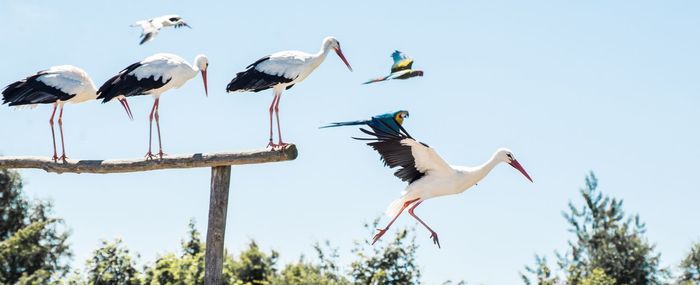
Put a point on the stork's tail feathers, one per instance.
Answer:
(239, 83)
(378, 79)
(30, 91)
(340, 124)
(395, 207)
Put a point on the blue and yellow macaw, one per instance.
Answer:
(401, 69)
(388, 122)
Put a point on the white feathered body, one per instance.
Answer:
(71, 80)
(440, 179)
(164, 67)
(295, 65)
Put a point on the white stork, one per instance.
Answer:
(57, 85)
(280, 71)
(151, 27)
(152, 76)
(427, 174)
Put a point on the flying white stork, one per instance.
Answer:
(152, 76)
(280, 71)
(57, 85)
(427, 174)
(151, 27)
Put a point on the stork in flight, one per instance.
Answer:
(280, 71)
(57, 85)
(401, 69)
(152, 76)
(427, 174)
(393, 120)
(151, 27)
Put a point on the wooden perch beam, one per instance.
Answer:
(135, 165)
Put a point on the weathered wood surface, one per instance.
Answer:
(141, 164)
(216, 227)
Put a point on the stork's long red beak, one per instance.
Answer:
(204, 78)
(125, 104)
(515, 164)
(340, 54)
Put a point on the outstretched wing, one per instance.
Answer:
(149, 29)
(378, 79)
(401, 61)
(399, 149)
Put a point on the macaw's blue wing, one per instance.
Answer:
(401, 61)
(384, 123)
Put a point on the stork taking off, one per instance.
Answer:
(427, 174)
(151, 27)
(57, 85)
(152, 76)
(280, 71)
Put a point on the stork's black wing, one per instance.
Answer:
(128, 84)
(32, 90)
(387, 142)
(255, 80)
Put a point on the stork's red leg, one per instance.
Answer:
(433, 234)
(60, 127)
(53, 135)
(272, 107)
(383, 231)
(281, 144)
(149, 154)
(160, 145)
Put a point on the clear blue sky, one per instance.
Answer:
(569, 86)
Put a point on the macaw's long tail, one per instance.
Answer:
(378, 79)
(340, 124)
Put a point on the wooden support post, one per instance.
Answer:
(216, 227)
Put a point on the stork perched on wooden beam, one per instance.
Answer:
(280, 71)
(57, 85)
(152, 76)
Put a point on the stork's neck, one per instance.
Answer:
(195, 66)
(320, 56)
(472, 175)
(193, 70)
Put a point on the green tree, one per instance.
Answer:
(391, 263)
(326, 272)
(33, 247)
(598, 277)
(543, 274)
(253, 267)
(690, 266)
(188, 269)
(112, 263)
(307, 273)
(606, 239)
